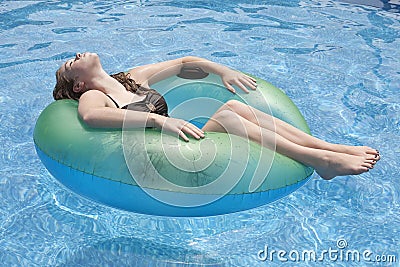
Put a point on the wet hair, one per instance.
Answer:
(64, 87)
(129, 84)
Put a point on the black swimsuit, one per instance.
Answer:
(153, 103)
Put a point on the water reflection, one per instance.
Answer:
(388, 5)
(125, 251)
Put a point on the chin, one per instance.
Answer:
(92, 57)
(89, 54)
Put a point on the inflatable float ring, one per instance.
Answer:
(149, 172)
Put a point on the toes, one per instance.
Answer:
(363, 169)
(372, 151)
(373, 157)
(368, 165)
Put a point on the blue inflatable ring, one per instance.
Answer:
(149, 172)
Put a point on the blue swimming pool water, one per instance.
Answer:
(339, 62)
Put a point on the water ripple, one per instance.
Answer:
(229, 25)
(39, 46)
(224, 54)
(19, 16)
(280, 23)
(61, 56)
(180, 52)
(7, 45)
(69, 30)
(125, 251)
(339, 64)
(109, 19)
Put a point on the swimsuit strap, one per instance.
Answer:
(113, 101)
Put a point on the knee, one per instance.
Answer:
(234, 104)
(225, 115)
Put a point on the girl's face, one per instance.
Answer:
(82, 67)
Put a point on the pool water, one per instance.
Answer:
(339, 62)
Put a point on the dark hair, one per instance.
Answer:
(64, 87)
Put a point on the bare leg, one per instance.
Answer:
(290, 132)
(328, 164)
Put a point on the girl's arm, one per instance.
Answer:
(94, 110)
(152, 73)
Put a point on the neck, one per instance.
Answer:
(105, 83)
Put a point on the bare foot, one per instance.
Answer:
(331, 164)
(357, 150)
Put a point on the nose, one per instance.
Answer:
(78, 56)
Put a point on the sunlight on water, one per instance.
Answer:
(339, 63)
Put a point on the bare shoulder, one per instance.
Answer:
(93, 98)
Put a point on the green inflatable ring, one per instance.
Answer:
(147, 171)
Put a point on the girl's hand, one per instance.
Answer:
(180, 127)
(231, 77)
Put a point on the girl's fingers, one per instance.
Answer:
(189, 131)
(248, 84)
(251, 80)
(183, 136)
(195, 128)
(182, 128)
(254, 83)
(229, 87)
(193, 131)
(242, 83)
(192, 126)
(241, 86)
